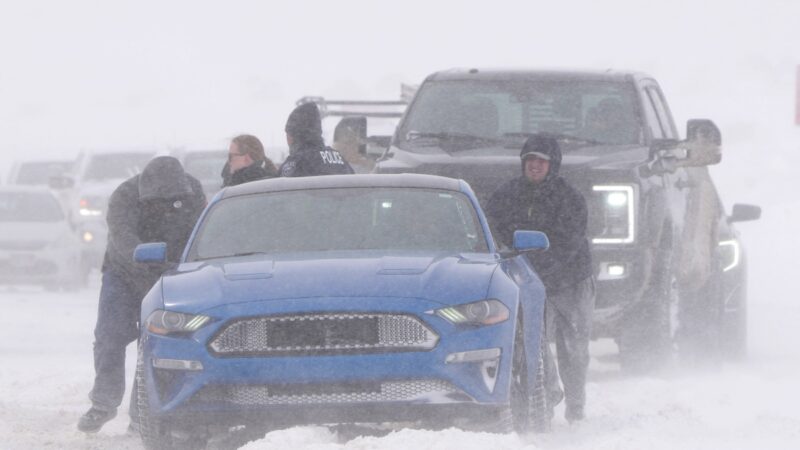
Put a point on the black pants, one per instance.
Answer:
(117, 326)
(568, 316)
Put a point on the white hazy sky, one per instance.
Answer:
(98, 74)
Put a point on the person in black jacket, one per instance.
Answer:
(308, 154)
(246, 162)
(161, 204)
(542, 200)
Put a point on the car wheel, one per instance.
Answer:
(528, 408)
(156, 434)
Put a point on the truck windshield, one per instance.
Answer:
(477, 112)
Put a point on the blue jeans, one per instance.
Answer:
(117, 326)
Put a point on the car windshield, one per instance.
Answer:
(116, 165)
(29, 207)
(205, 166)
(466, 114)
(39, 173)
(340, 219)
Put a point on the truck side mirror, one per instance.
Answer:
(743, 213)
(153, 252)
(703, 142)
(351, 131)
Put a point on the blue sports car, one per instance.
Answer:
(342, 299)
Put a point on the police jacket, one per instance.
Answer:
(161, 204)
(555, 208)
(314, 158)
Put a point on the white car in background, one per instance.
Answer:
(205, 165)
(87, 190)
(38, 173)
(38, 245)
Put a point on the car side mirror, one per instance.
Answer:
(153, 252)
(60, 182)
(525, 241)
(744, 213)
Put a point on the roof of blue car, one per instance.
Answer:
(344, 181)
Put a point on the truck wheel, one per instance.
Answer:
(699, 337)
(528, 408)
(734, 328)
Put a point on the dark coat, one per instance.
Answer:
(553, 207)
(172, 204)
(252, 172)
(317, 159)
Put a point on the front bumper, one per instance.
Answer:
(375, 387)
(616, 292)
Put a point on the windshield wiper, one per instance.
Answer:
(451, 137)
(568, 138)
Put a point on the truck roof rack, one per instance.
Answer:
(367, 108)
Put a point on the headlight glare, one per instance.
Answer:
(483, 312)
(171, 322)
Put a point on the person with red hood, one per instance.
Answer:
(541, 200)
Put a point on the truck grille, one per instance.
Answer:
(320, 334)
(388, 391)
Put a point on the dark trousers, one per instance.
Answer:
(568, 315)
(117, 326)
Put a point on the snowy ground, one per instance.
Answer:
(46, 372)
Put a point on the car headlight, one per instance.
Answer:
(617, 214)
(170, 322)
(730, 253)
(483, 312)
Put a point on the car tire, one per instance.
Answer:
(528, 408)
(156, 434)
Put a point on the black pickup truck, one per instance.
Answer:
(669, 265)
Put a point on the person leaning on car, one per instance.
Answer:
(161, 204)
(308, 154)
(542, 200)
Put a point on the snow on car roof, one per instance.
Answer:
(344, 181)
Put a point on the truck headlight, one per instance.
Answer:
(483, 312)
(617, 214)
(730, 253)
(170, 322)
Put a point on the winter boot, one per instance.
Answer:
(94, 419)
(574, 413)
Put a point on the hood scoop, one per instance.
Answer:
(249, 270)
(404, 265)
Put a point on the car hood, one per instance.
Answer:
(445, 279)
(20, 233)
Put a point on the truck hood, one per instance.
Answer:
(446, 279)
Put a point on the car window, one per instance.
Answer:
(599, 110)
(340, 219)
(29, 207)
(116, 165)
(652, 118)
(39, 173)
(661, 113)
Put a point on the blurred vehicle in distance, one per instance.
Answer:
(205, 165)
(86, 191)
(38, 244)
(37, 173)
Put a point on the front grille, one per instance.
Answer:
(388, 391)
(319, 334)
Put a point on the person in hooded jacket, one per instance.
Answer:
(161, 204)
(308, 154)
(542, 200)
